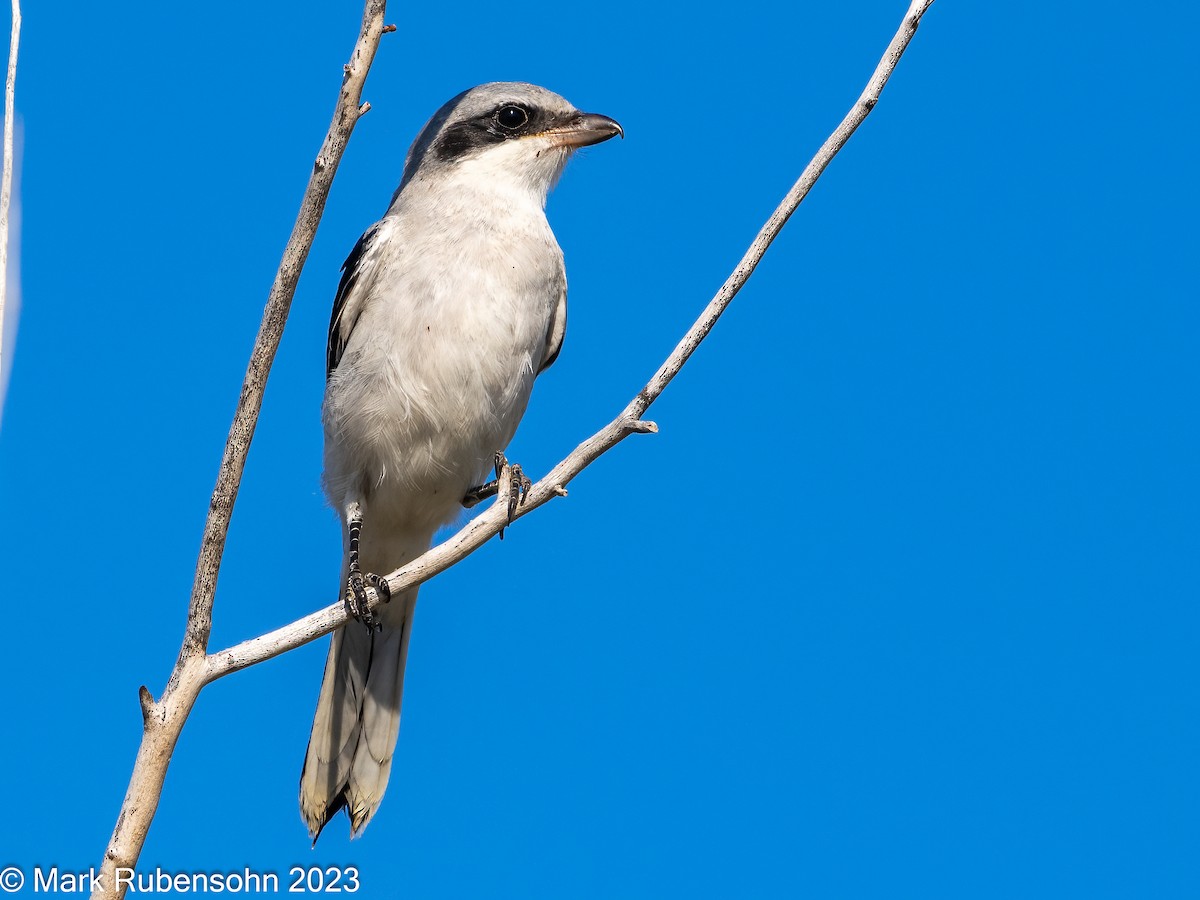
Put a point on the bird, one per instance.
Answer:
(447, 310)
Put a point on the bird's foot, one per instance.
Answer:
(356, 599)
(518, 487)
(357, 602)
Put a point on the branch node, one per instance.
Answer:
(146, 699)
(388, 29)
(639, 426)
(364, 109)
(559, 490)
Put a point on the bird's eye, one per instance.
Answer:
(511, 117)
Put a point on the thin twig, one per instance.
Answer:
(10, 94)
(164, 719)
(489, 523)
(835, 142)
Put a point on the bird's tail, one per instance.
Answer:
(357, 721)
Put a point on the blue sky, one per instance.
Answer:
(902, 600)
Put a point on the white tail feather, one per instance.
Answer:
(353, 739)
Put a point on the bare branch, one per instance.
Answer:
(6, 179)
(489, 523)
(279, 302)
(163, 720)
(835, 142)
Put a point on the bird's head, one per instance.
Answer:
(506, 133)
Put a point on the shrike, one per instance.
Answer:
(448, 308)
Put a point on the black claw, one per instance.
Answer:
(357, 605)
(518, 490)
(518, 487)
(381, 586)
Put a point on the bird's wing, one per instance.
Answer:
(351, 297)
(558, 328)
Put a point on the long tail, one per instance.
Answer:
(357, 721)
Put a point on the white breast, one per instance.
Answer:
(441, 361)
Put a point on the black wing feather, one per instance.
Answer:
(351, 269)
(556, 330)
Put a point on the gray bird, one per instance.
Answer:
(447, 310)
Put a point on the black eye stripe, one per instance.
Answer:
(508, 120)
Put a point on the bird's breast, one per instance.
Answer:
(440, 365)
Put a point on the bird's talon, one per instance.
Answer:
(518, 489)
(357, 603)
(382, 588)
(518, 486)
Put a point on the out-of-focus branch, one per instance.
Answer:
(163, 719)
(6, 178)
(489, 523)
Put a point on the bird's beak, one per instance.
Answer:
(584, 129)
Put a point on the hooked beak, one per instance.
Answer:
(584, 129)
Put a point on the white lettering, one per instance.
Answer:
(53, 881)
(45, 881)
(124, 878)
